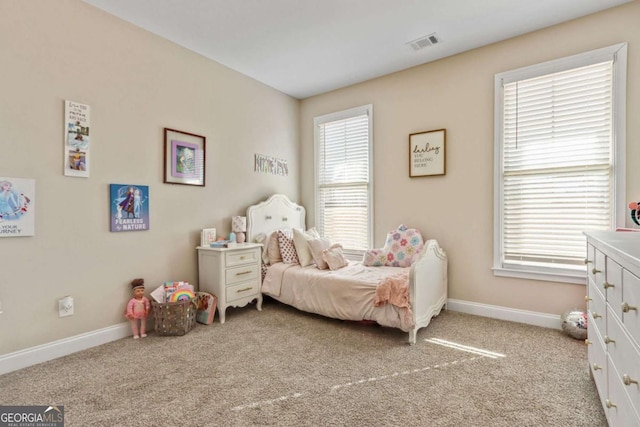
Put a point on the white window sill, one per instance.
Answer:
(578, 278)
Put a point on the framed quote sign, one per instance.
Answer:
(427, 153)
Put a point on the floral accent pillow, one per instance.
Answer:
(400, 249)
(287, 248)
(334, 257)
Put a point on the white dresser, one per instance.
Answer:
(613, 303)
(233, 275)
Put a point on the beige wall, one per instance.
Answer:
(136, 84)
(457, 94)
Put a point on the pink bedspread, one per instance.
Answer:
(348, 293)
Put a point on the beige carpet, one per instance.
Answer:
(287, 368)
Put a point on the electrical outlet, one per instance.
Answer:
(65, 307)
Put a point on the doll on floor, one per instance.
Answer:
(138, 309)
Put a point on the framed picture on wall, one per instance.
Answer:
(184, 158)
(128, 207)
(427, 153)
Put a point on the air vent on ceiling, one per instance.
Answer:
(423, 42)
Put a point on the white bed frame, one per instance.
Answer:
(427, 277)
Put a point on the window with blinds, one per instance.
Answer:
(343, 178)
(557, 143)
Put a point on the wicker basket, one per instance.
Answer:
(174, 318)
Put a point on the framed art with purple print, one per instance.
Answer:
(184, 158)
(128, 207)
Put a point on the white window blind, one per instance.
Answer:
(558, 167)
(343, 179)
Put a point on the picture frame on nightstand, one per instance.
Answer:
(207, 236)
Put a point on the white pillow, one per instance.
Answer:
(317, 246)
(273, 248)
(264, 239)
(300, 239)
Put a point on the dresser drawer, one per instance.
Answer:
(613, 282)
(241, 274)
(243, 290)
(626, 358)
(597, 361)
(631, 297)
(241, 257)
(597, 308)
(596, 270)
(618, 407)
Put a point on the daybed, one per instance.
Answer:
(349, 293)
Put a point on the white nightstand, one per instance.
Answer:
(231, 274)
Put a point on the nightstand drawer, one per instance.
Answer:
(242, 290)
(241, 257)
(241, 274)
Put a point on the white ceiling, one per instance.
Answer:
(307, 47)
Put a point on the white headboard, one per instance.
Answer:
(273, 214)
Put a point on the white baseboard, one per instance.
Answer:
(43, 353)
(504, 313)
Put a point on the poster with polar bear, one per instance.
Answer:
(17, 207)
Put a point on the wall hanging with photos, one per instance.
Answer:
(76, 139)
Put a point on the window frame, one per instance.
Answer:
(331, 117)
(617, 53)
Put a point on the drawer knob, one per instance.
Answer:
(596, 367)
(244, 290)
(626, 307)
(242, 272)
(596, 315)
(610, 404)
(607, 285)
(627, 380)
(608, 340)
(595, 270)
(587, 342)
(587, 261)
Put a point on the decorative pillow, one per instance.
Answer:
(287, 249)
(374, 257)
(273, 248)
(300, 239)
(400, 248)
(334, 257)
(316, 246)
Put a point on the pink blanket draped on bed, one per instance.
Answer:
(394, 290)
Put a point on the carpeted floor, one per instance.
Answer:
(287, 368)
